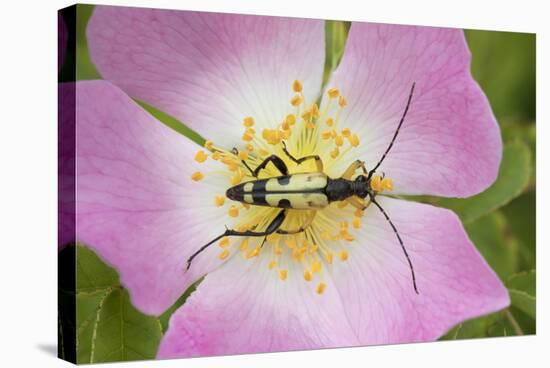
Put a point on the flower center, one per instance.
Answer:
(305, 131)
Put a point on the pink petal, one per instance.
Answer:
(66, 150)
(136, 204)
(209, 70)
(449, 144)
(454, 281)
(244, 308)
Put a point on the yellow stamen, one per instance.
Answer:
(273, 237)
(358, 212)
(310, 125)
(333, 92)
(328, 257)
(354, 140)
(315, 111)
(290, 243)
(283, 274)
(316, 266)
(346, 132)
(263, 152)
(339, 140)
(243, 245)
(307, 275)
(224, 242)
(216, 156)
(297, 86)
(249, 147)
(376, 183)
(233, 211)
(335, 152)
(330, 122)
(209, 145)
(253, 253)
(200, 156)
(236, 179)
(290, 119)
(343, 255)
(321, 288)
(197, 176)
(356, 222)
(306, 115)
(296, 100)
(223, 255)
(248, 121)
(247, 137)
(219, 200)
(387, 183)
(342, 101)
(342, 204)
(326, 135)
(243, 155)
(278, 250)
(272, 265)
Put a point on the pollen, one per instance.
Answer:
(342, 102)
(326, 135)
(307, 275)
(224, 242)
(329, 122)
(346, 132)
(197, 176)
(353, 140)
(209, 145)
(296, 100)
(248, 121)
(339, 140)
(290, 119)
(343, 255)
(321, 288)
(247, 137)
(316, 266)
(283, 274)
(233, 211)
(333, 92)
(243, 155)
(387, 183)
(297, 86)
(224, 254)
(200, 156)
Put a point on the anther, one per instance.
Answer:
(354, 140)
(248, 121)
(296, 100)
(335, 152)
(272, 265)
(356, 222)
(197, 176)
(321, 288)
(342, 101)
(297, 86)
(316, 266)
(224, 242)
(329, 122)
(333, 92)
(219, 200)
(243, 155)
(346, 132)
(339, 140)
(283, 274)
(223, 255)
(209, 145)
(307, 275)
(201, 156)
(290, 119)
(343, 255)
(233, 211)
(326, 135)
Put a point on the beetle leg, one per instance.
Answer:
(361, 204)
(302, 228)
(271, 228)
(348, 174)
(277, 162)
(235, 151)
(318, 161)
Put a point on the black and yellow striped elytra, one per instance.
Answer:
(307, 191)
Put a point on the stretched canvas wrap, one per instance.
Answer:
(233, 184)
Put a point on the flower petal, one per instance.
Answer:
(209, 70)
(449, 144)
(454, 282)
(136, 204)
(244, 308)
(66, 150)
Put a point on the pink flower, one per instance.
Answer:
(148, 200)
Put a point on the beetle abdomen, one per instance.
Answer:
(298, 191)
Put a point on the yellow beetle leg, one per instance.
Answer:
(318, 161)
(360, 204)
(348, 174)
(302, 228)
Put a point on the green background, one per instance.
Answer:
(500, 221)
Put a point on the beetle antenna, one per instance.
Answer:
(395, 134)
(201, 249)
(400, 242)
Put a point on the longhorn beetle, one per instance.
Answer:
(307, 191)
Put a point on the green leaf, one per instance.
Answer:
(522, 289)
(511, 181)
(165, 317)
(521, 216)
(109, 327)
(336, 33)
(500, 251)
